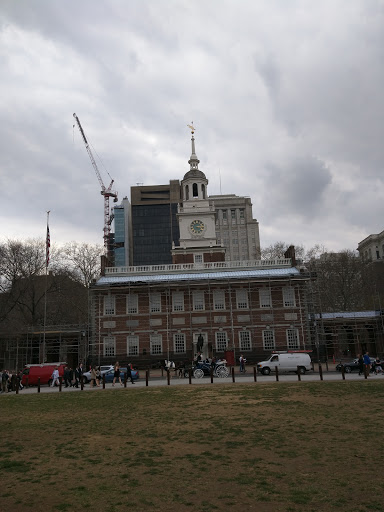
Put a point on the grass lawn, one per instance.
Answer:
(274, 447)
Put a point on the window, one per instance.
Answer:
(186, 193)
(241, 213)
(156, 344)
(265, 298)
(218, 300)
(289, 297)
(245, 340)
(242, 299)
(132, 303)
(132, 345)
(178, 301)
(224, 214)
(235, 241)
(198, 258)
(195, 192)
(179, 343)
(293, 339)
(221, 341)
(203, 191)
(109, 344)
(155, 302)
(109, 305)
(269, 339)
(198, 300)
(233, 214)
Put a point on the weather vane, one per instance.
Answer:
(191, 127)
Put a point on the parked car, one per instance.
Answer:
(110, 373)
(352, 366)
(103, 369)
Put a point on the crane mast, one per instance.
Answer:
(106, 192)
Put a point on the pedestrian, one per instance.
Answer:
(116, 374)
(242, 361)
(4, 381)
(367, 363)
(378, 367)
(360, 361)
(66, 377)
(93, 377)
(98, 376)
(55, 377)
(129, 373)
(70, 376)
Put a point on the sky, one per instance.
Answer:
(286, 98)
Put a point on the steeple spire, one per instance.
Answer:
(193, 161)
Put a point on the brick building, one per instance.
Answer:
(201, 301)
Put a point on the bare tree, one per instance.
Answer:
(83, 261)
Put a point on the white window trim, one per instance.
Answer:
(132, 304)
(155, 302)
(218, 300)
(241, 347)
(242, 299)
(108, 342)
(289, 299)
(264, 334)
(265, 293)
(218, 335)
(109, 305)
(198, 300)
(177, 300)
(155, 340)
(297, 336)
(176, 335)
(133, 341)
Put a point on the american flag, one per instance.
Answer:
(47, 246)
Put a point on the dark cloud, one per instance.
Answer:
(286, 98)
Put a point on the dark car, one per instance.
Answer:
(352, 366)
(109, 375)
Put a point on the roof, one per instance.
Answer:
(199, 276)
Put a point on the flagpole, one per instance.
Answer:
(47, 247)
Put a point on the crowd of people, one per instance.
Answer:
(10, 381)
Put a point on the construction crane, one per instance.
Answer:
(106, 192)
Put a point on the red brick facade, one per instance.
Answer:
(152, 320)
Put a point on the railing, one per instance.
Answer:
(193, 267)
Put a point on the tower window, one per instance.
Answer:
(186, 192)
(203, 191)
(195, 190)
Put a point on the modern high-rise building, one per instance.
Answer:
(154, 223)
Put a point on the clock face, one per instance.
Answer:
(197, 227)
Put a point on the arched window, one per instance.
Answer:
(203, 190)
(186, 192)
(195, 190)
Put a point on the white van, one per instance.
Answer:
(286, 362)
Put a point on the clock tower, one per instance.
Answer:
(196, 218)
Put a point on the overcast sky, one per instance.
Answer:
(286, 97)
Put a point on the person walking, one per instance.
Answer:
(242, 361)
(360, 360)
(93, 377)
(116, 374)
(66, 377)
(4, 381)
(129, 373)
(55, 377)
(367, 363)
